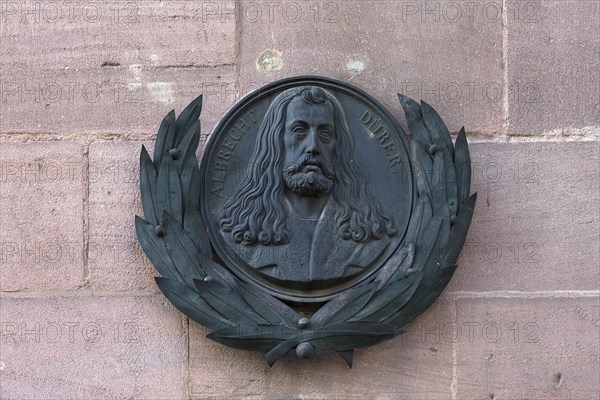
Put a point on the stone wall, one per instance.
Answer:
(84, 84)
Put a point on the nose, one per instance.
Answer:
(313, 143)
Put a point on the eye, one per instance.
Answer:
(299, 131)
(325, 135)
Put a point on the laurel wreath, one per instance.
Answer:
(175, 239)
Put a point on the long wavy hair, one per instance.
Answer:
(256, 214)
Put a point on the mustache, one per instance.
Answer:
(297, 166)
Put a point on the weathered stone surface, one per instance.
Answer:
(543, 348)
(91, 347)
(127, 100)
(417, 365)
(106, 73)
(536, 226)
(109, 34)
(447, 53)
(553, 62)
(116, 260)
(110, 67)
(41, 216)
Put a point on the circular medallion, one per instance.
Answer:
(305, 193)
(306, 188)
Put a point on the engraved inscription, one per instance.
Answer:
(376, 129)
(219, 167)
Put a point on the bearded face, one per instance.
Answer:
(309, 141)
(309, 147)
(308, 177)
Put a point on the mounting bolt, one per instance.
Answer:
(305, 350)
(303, 323)
(432, 150)
(175, 153)
(158, 231)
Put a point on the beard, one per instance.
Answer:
(308, 184)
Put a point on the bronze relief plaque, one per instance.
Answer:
(307, 188)
(312, 220)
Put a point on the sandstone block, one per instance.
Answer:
(41, 216)
(444, 52)
(515, 348)
(92, 347)
(552, 62)
(535, 227)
